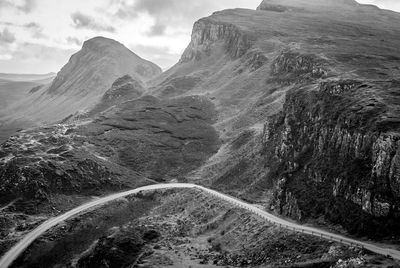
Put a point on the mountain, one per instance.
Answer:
(83, 80)
(307, 100)
(26, 77)
(100, 61)
(294, 107)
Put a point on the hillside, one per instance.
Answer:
(293, 106)
(14, 88)
(324, 77)
(82, 81)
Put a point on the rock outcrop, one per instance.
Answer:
(123, 89)
(337, 147)
(207, 33)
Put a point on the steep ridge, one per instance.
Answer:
(336, 153)
(330, 145)
(83, 80)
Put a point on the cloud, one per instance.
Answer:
(36, 29)
(161, 55)
(7, 23)
(73, 41)
(7, 37)
(5, 4)
(124, 10)
(386, 4)
(82, 21)
(32, 25)
(157, 29)
(26, 6)
(5, 56)
(155, 7)
(174, 15)
(30, 57)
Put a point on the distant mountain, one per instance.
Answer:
(100, 62)
(13, 89)
(26, 77)
(82, 82)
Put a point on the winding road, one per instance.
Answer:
(19, 248)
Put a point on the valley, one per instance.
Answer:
(195, 242)
(293, 106)
(13, 88)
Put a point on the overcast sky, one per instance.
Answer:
(39, 36)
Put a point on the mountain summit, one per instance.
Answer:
(82, 82)
(97, 65)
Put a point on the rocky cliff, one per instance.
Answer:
(335, 152)
(207, 33)
(324, 80)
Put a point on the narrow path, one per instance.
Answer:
(9, 204)
(19, 248)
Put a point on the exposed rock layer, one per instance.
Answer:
(336, 147)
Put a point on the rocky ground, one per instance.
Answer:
(184, 228)
(47, 170)
(293, 107)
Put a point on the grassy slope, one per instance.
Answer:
(358, 42)
(180, 229)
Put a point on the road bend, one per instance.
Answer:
(20, 247)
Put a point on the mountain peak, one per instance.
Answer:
(89, 73)
(100, 42)
(106, 56)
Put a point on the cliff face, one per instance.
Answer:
(206, 33)
(335, 152)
